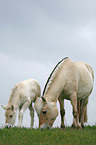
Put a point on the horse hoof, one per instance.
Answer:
(73, 127)
(82, 126)
(79, 127)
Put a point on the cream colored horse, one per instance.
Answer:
(69, 80)
(22, 97)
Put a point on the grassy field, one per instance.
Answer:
(55, 136)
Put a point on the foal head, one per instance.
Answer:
(10, 114)
(47, 112)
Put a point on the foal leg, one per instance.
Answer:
(23, 109)
(75, 110)
(31, 115)
(62, 112)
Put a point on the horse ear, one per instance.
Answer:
(36, 97)
(5, 108)
(12, 107)
(44, 100)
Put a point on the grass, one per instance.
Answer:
(55, 136)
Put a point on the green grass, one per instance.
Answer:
(55, 136)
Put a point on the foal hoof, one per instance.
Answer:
(63, 127)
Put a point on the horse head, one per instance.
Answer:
(10, 114)
(47, 112)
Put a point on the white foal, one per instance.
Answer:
(22, 97)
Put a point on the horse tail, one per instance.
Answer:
(79, 108)
(85, 114)
(92, 74)
(90, 70)
(79, 105)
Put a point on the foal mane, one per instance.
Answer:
(52, 74)
(13, 94)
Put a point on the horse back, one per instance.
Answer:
(78, 77)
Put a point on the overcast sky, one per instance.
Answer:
(35, 35)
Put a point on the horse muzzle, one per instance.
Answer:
(7, 125)
(45, 126)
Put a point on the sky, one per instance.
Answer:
(35, 36)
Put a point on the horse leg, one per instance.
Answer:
(75, 110)
(74, 125)
(23, 109)
(84, 111)
(31, 115)
(62, 112)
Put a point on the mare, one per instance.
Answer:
(69, 80)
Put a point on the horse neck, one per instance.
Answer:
(57, 83)
(55, 89)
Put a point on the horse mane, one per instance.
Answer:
(48, 80)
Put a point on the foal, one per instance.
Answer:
(21, 98)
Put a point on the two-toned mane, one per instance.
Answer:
(69, 80)
(52, 76)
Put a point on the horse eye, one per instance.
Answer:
(10, 116)
(44, 112)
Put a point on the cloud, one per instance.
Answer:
(36, 35)
(47, 28)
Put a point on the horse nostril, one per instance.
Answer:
(48, 127)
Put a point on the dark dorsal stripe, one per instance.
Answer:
(51, 75)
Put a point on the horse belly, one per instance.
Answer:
(65, 95)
